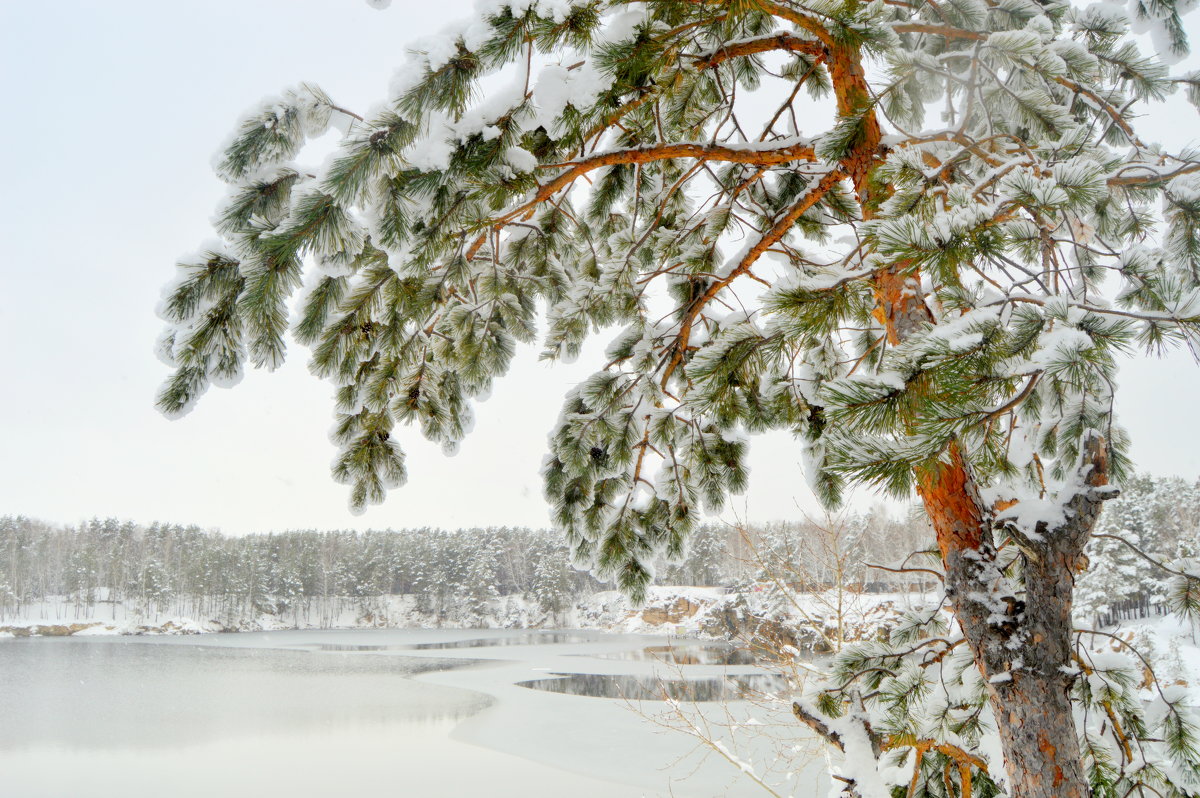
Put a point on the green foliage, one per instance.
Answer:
(519, 174)
(1183, 590)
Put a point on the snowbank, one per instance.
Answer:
(803, 620)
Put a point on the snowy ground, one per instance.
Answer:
(678, 609)
(1169, 643)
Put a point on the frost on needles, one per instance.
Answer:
(929, 292)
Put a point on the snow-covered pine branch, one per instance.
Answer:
(929, 292)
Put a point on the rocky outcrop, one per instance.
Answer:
(676, 612)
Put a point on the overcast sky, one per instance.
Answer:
(112, 112)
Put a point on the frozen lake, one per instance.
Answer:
(384, 713)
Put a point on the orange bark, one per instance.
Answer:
(780, 41)
(853, 97)
(768, 240)
(1038, 736)
(790, 153)
(950, 500)
(947, 492)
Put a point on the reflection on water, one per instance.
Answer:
(525, 639)
(645, 688)
(100, 693)
(690, 654)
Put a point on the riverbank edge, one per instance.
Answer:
(702, 612)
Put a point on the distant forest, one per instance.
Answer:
(169, 569)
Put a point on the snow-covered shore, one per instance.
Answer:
(700, 611)
(763, 617)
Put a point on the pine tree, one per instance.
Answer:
(929, 292)
(1139, 535)
(551, 586)
(1116, 573)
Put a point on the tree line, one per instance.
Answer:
(312, 576)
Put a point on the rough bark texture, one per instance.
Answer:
(1033, 708)
(1039, 732)
(1021, 646)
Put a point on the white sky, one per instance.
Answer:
(112, 111)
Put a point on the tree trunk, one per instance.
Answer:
(1023, 651)
(1023, 648)
(1037, 729)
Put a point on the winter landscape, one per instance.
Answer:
(632, 398)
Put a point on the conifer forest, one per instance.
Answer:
(871, 330)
